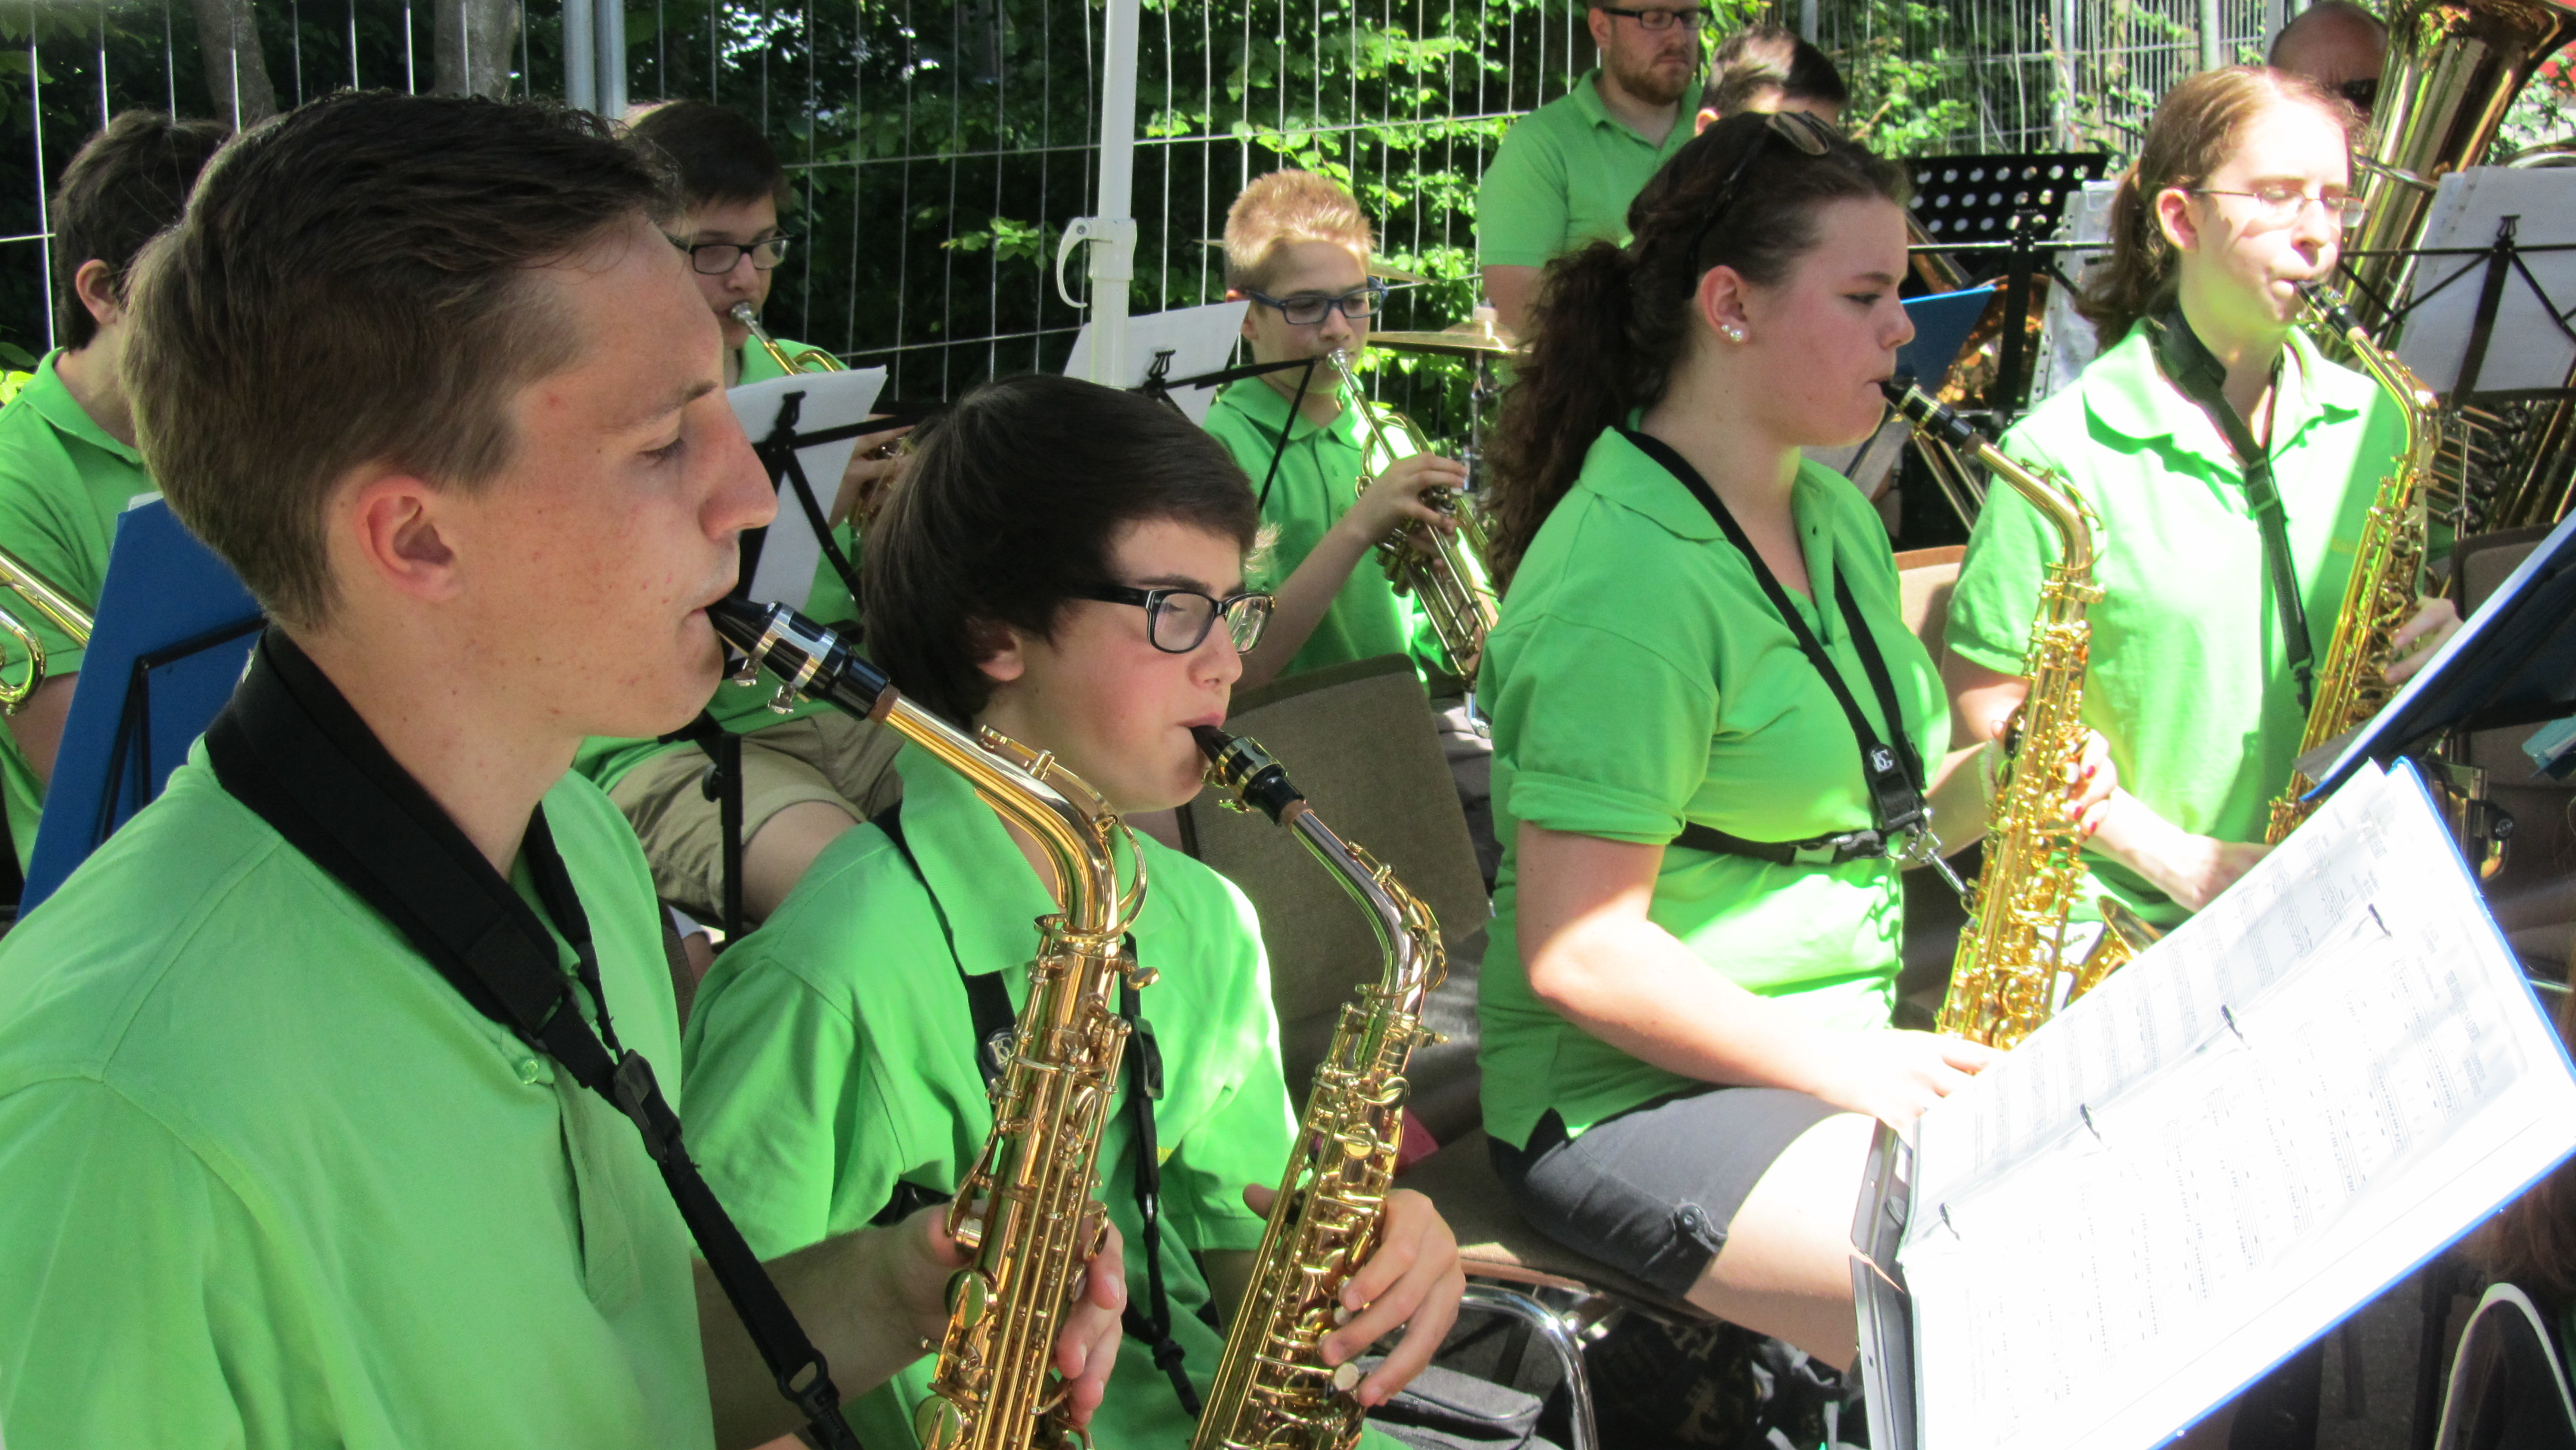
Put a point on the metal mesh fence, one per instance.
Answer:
(938, 146)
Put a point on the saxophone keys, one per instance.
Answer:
(970, 1296)
(1346, 1376)
(783, 702)
(939, 1424)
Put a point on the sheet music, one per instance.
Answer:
(1199, 340)
(2526, 349)
(790, 552)
(2151, 1201)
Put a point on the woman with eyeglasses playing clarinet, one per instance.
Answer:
(2207, 403)
(1714, 736)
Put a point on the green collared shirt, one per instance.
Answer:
(63, 481)
(1319, 478)
(1640, 679)
(1564, 176)
(2189, 679)
(744, 709)
(832, 1056)
(268, 1182)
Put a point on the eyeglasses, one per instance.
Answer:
(1177, 620)
(1309, 309)
(1810, 134)
(717, 258)
(1694, 17)
(2279, 206)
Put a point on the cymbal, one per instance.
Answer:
(1467, 339)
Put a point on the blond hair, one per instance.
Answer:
(1282, 209)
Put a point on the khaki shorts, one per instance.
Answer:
(826, 757)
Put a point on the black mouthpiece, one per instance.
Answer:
(1243, 767)
(2329, 306)
(1929, 414)
(811, 660)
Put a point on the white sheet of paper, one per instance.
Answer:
(2150, 1201)
(790, 553)
(1200, 340)
(2526, 350)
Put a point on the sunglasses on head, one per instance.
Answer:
(1811, 135)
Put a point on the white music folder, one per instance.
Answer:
(2249, 1132)
(2527, 349)
(790, 551)
(1199, 339)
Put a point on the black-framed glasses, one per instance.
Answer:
(1812, 135)
(1178, 620)
(1309, 309)
(717, 258)
(1694, 17)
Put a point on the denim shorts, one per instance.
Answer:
(1652, 1191)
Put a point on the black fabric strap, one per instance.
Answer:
(778, 453)
(723, 785)
(290, 748)
(1893, 771)
(989, 1003)
(2203, 379)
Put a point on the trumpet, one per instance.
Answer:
(803, 360)
(51, 602)
(1446, 572)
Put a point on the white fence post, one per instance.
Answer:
(1112, 234)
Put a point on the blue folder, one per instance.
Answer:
(1941, 325)
(175, 630)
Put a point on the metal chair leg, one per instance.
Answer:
(1559, 1336)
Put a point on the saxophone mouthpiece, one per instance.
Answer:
(2329, 305)
(1248, 771)
(812, 661)
(1928, 413)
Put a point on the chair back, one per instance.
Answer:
(1359, 740)
(2508, 1388)
(1925, 578)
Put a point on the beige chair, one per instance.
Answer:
(1925, 578)
(2534, 896)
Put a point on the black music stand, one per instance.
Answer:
(1969, 204)
(1159, 385)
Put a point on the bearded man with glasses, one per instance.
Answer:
(1567, 171)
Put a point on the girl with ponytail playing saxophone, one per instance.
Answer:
(2241, 191)
(1713, 734)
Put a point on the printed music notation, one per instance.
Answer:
(2232, 1144)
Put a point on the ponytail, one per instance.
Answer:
(1610, 323)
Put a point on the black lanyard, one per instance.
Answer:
(291, 749)
(2203, 379)
(1901, 818)
(989, 1001)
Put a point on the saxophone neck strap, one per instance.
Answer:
(291, 749)
(1901, 818)
(2197, 372)
(988, 1002)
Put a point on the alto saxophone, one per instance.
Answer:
(2387, 566)
(2004, 980)
(1445, 571)
(1026, 1211)
(1273, 1389)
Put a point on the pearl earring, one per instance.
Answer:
(1734, 333)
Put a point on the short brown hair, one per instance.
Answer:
(1762, 58)
(1009, 512)
(714, 153)
(1283, 208)
(2196, 128)
(351, 285)
(127, 183)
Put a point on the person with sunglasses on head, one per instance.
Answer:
(1566, 172)
(2230, 466)
(2339, 46)
(1064, 565)
(809, 774)
(1714, 739)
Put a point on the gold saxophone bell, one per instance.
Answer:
(1446, 571)
(49, 601)
(803, 360)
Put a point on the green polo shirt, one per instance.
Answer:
(1564, 176)
(831, 1056)
(1319, 478)
(63, 481)
(744, 709)
(1640, 679)
(266, 1181)
(2188, 679)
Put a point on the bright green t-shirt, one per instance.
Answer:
(744, 709)
(2188, 678)
(63, 481)
(1319, 478)
(267, 1181)
(1640, 679)
(1564, 176)
(831, 1056)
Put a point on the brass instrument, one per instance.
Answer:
(1025, 1211)
(2004, 980)
(1445, 571)
(2387, 565)
(56, 606)
(1272, 1387)
(803, 360)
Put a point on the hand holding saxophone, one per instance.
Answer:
(1412, 1280)
(914, 1263)
(2436, 620)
